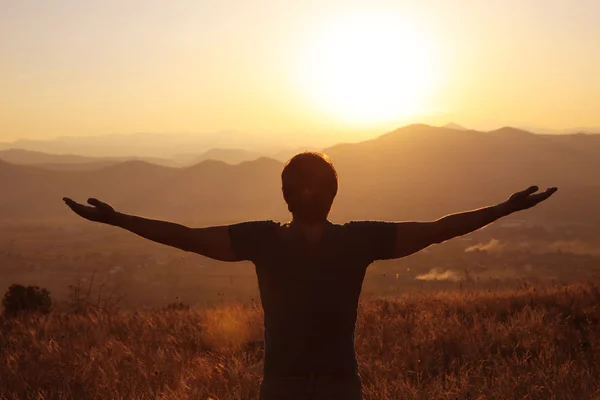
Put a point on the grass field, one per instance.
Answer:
(535, 343)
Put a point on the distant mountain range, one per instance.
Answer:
(415, 172)
(168, 145)
(70, 161)
(177, 150)
(236, 156)
(581, 129)
(80, 163)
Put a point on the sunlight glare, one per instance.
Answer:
(370, 68)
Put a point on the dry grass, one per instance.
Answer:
(532, 343)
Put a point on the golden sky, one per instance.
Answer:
(285, 67)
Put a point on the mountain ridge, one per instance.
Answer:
(415, 172)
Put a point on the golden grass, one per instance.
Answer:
(531, 343)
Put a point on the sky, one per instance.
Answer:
(347, 69)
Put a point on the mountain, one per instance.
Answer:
(229, 156)
(168, 145)
(509, 131)
(237, 156)
(415, 172)
(209, 191)
(420, 171)
(454, 126)
(70, 161)
(27, 157)
(565, 131)
(120, 145)
(73, 162)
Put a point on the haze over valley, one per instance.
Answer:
(453, 166)
(416, 172)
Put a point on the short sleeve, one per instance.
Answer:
(373, 240)
(249, 239)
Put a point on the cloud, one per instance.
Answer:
(438, 274)
(568, 246)
(493, 245)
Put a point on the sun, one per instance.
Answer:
(369, 68)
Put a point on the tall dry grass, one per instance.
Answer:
(531, 343)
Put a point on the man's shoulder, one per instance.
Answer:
(249, 239)
(373, 240)
(361, 230)
(370, 230)
(365, 225)
(265, 224)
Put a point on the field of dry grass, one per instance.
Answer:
(535, 343)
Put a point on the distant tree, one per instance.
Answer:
(20, 299)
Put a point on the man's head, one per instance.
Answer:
(309, 184)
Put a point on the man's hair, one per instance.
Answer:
(309, 184)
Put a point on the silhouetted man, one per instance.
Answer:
(310, 271)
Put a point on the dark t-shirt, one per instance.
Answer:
(310, 293)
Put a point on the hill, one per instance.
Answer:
(70, 161)
(27, 157)
(229, 156)
(415, 172)
(540, 343)
(454, 126)
(420, 171)
(169, 145)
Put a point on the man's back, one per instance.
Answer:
(309, 291)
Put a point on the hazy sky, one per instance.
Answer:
(284, 67)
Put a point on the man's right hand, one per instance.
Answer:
(99, 212)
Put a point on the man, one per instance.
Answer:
(310, 271)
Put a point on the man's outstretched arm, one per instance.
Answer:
(414, 236)
(213, 242)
